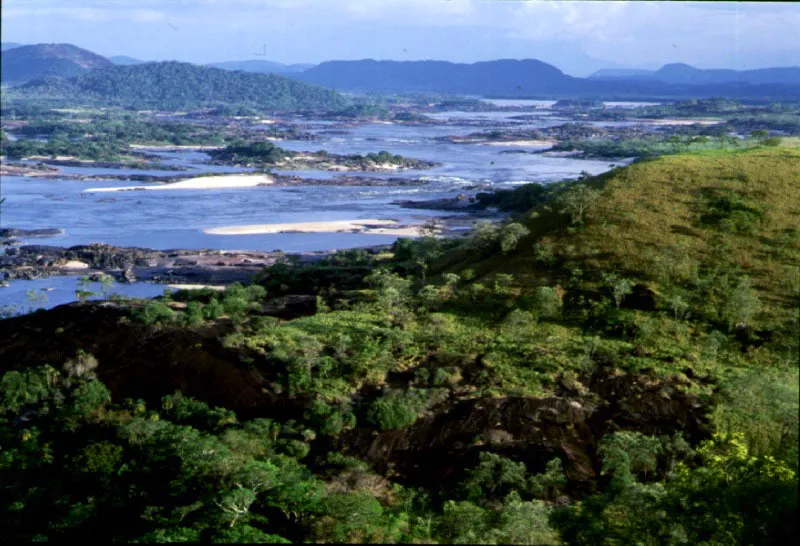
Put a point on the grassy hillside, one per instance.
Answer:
(672, 220)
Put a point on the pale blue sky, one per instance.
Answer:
(578, 37)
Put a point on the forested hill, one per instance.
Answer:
(175, 85)
(26, 63)
(502, 76)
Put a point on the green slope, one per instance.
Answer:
(681, 215)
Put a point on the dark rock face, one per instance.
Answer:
(460, 202)
(438, 448)
(12, 232)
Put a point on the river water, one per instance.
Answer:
(176, 219)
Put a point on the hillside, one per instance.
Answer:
(615, 366)
(26, 63)
(174, 85)
(262, 67)
(8, 45)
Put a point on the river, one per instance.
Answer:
(176, 219)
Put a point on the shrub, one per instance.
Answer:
(397, 409)
(546, 302)
(154, 312)
(510, 235)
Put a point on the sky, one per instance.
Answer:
(578, 37)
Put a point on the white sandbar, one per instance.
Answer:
(521, 143)
(168, 147)
(199, 183)
(196, 287)
(360, 226)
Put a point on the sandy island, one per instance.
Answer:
(199, 183)
(680, 121)
(371, 226)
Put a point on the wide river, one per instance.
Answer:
(176, 219)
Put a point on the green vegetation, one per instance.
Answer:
(615, 365)
(654, 145)
(241, 152)
(265, 154)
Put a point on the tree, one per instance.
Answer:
(576, 200)
(741, 304)
(625, 453)
(618, 286)
(510, 235)
(235, 504)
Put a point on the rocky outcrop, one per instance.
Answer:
(438, 448)
(131, 264)
(147, 362)
(7, 233)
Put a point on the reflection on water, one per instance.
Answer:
(27, 296)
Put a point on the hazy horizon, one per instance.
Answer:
(577, 37)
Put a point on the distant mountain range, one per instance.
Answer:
(683, 74)
(501, 78)
(8, 45)
(26, 63)
(531, 78)
(262, 67)
(177, 86)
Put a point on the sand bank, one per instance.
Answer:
(196, 287)
(373, 226)
(521, 143)
(199, 183)
(169, 147)
(680, 121)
